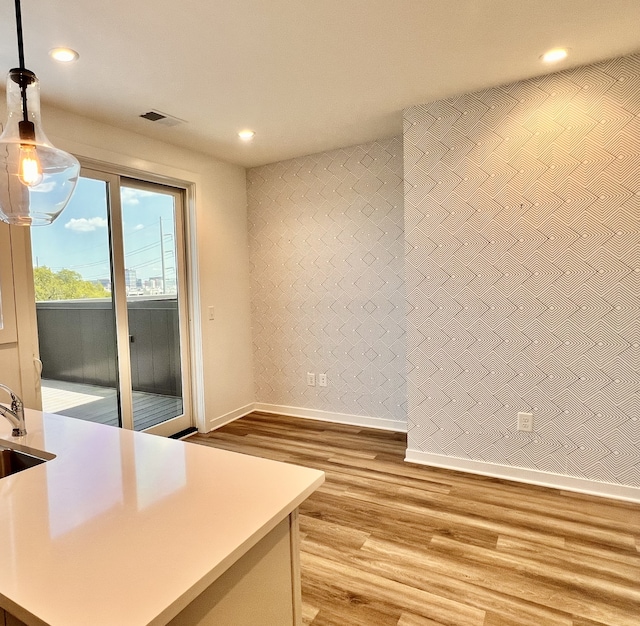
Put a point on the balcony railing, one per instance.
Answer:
(77, 343)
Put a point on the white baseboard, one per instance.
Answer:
(217, 422)
(327, 416)
(522, 475)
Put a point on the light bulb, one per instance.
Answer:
(30, 170)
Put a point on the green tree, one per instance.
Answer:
(64, 285)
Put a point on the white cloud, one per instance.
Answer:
(139, 227)
(132, 196)
(44, 187)
(84, 225)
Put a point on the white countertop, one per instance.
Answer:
(124, 528)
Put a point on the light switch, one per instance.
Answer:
(212, 313)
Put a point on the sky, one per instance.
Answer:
(79, 238)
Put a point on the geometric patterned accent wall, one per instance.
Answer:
(326, 251)
(522, 220)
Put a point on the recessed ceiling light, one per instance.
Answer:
(64, 55)
(555, 55)
(247, 135)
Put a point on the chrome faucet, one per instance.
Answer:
(15, 414)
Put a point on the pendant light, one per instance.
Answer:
(36, 179)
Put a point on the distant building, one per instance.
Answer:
(156, 284)
(130, 279)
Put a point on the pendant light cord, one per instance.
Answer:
(23, 86)
(19, 30)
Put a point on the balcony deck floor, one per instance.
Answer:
(99, 404)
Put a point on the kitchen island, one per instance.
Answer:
(120, 528)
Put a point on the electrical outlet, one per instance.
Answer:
(311, 379)
(525, 422)
(322, 380)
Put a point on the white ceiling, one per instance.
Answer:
(306, 75)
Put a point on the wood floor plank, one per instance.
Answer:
(624, 517)
(451, 579)
(410, 619)
(581, 621)
(381, 592)
(552, 584)
(334, 534)
(308, 613)
(599, 567)
(384, 541)
(497, 619)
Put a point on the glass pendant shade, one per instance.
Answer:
(36, 179)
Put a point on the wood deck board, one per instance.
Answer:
(99, 404)
(384, 541)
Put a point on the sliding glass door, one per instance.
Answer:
(153, 258)
(111, 305)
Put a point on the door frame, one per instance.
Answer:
(183, 289)
(189, 304)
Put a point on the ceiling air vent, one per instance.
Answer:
(162, 118)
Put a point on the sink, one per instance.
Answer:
(13, 461)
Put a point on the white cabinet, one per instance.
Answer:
(6, 619)
(262, 587)
(108, 547)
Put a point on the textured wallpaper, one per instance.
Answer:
(522, 218)
(327, 243)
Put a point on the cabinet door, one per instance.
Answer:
(6, 619)
(13, 621)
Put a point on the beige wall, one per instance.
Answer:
(218, 225)
(18, 345)
(9, 375)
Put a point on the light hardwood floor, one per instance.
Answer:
(390, 542)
